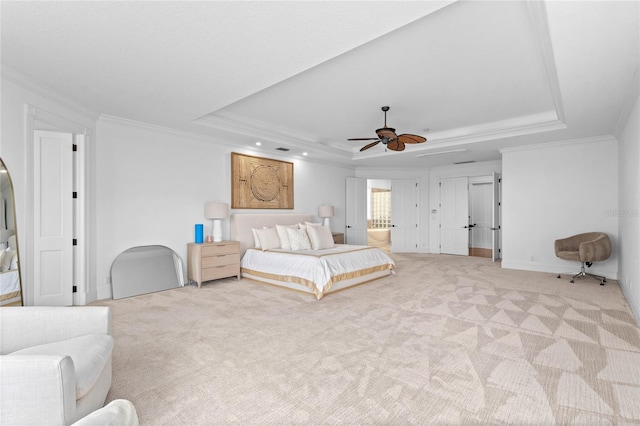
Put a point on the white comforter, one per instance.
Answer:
(316, 269)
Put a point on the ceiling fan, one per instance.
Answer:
(388, 137)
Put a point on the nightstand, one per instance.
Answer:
(338, 237)
(212, 261)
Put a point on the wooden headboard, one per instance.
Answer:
(242, 223)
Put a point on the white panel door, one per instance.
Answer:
(356, 211)
(496, 231)
(454, 216)
(53, 219)
(404, 216)
(481, 210)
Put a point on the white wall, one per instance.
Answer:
(554, 191)
(629, 209)
(152, 185)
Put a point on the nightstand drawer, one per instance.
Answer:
(212, 261)
(220, 260)
(220, 249)
(219, 272)
(338, 238)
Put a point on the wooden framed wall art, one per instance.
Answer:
(260, 183)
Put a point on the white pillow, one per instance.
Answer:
(3, 253)
(268, 238)
(284, 237)
(6, 261)
(312, 224)
(14, 261)
(298, 239)
(320, 237)
(256, 240)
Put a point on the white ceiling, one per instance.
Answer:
(308, 75)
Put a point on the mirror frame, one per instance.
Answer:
(5, 170)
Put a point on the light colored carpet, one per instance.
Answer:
(447, 340)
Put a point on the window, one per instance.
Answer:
(380, 208)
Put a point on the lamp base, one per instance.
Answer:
(217, 230)
(325, 222)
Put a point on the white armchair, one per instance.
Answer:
(55, 363)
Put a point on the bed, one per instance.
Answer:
(380, 237)
(317, 272)
(9, 273)
(9, 286)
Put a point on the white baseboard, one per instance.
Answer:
(104, 292)
(555, 269)
(634, 304)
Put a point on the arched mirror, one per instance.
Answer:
(10, 283)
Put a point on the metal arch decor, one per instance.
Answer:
(260, 183)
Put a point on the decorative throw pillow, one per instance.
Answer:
(256, 239)
(320, 237)
(284, 237)
(298, 239)
(6, 261)
(312, 224)
(2, 255)
(268, 238)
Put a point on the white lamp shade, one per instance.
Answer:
(216, 210)
(325, 211)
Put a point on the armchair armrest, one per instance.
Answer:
(595, 250)
(37, 389)
(26, 326)
(119, 412)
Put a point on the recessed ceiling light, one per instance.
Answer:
(304, 153)
(426, 129)
(258, 143)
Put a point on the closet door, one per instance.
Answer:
(454, 221)
(404, 216)
(356, 211)
(53, 219)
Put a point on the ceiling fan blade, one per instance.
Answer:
(386, 132)
(396, 145)
(371, 145)
(409, 138)
(363, 139)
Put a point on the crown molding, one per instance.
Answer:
(217, 141)
(567, 142)
(519, 126)
(160, 129)
(29, 84)
(538, 14)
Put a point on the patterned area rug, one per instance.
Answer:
(446, 340)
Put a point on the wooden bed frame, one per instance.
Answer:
(240, 228)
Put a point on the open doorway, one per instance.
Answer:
(379, 213)
(480, 215)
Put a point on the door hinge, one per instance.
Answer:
(75, 194)
(75, 289)
(75, 241)
(74, 147)
(416, 184)
(499, 180)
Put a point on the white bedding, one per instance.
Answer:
(317, 270)
(9, 284)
